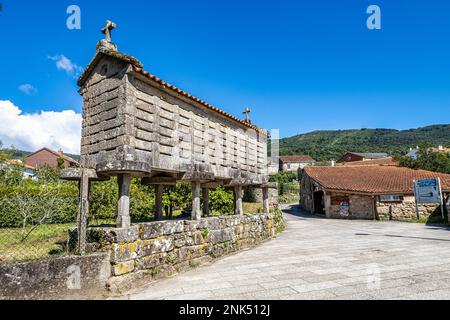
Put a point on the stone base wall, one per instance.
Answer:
(63, 277)
(405, 209)
(168, 247)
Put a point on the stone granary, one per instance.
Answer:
(137, 125)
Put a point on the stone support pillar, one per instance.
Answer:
(265, 192)
(196, 209)
(83, 211)
(238, 200)
(159, 190)
(205, 202)
(123, 205)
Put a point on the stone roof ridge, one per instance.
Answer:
(104, 51)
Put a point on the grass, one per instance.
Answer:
(431, 220)
(39, 244)
(252, 207)
(288, 198)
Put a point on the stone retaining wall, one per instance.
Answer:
(406, 209)
(63, 277)
(166, 247)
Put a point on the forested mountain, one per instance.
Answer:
(329, 145)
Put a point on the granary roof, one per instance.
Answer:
(372, 179)
(138, 67)
(296, 159)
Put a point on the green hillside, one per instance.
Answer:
(329, 145)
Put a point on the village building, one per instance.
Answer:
(414, 152)
(27, 170)
(293, 163)
(381, 192)
(357, 156)
(46, 156)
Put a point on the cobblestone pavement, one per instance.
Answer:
(318, 258)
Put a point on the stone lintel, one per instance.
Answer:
(74, 174)
(212, 185)
(239, 182)
(133, 168)
(167, 181)
(269, 185)
(198, 176)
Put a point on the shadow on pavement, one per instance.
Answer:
(293, 210)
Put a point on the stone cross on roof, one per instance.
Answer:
(247, 113)
(110, 26)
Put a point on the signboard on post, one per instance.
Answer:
(428, 192)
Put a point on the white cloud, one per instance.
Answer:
(27, 88)
(64, 63)
(56, 130)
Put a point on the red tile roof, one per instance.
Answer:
(296, 159)
(56, 153)
(372, 179)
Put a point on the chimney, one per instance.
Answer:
(333, 163)
(61, 153)
(441, 148)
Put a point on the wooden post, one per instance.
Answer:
(205, 201)
(83, 212)
(159, 190)
(196, 210)
(265, 192)
(123, 205)
(238, 200)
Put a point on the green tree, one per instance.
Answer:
(431, 161)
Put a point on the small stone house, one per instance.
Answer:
(366, 192)
(293, 163)
(356, 156)
(47, 156)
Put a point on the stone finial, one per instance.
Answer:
(247, 114)
(110, 26)
(107, 30)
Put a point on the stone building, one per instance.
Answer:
(293, 163)
(366, 192)
(137, 125)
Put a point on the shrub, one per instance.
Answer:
(221, 201)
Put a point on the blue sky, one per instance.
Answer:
(300, 65)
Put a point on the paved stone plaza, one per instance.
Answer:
(317, 258)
